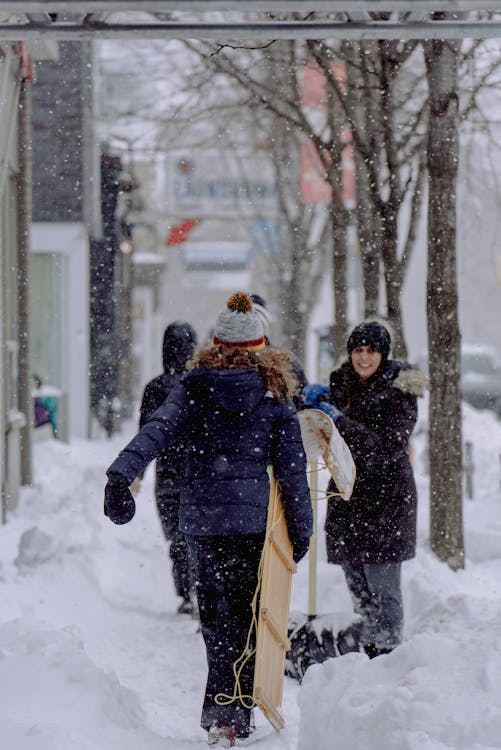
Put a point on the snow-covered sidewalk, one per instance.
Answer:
(94, 657)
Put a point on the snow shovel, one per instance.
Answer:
(311, 641)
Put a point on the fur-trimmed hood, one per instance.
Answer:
(411, 380)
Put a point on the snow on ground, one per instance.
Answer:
(94, 657)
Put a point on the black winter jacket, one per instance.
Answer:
(170, 463)
(378, 524)
(233, 428)
(178, 344)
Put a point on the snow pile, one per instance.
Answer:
(440, 689)
(94, 657)
(55, 696)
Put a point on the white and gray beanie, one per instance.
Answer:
(239, 325)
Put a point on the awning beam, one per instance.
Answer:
(346, 19)
(93, 6)
(254, 31)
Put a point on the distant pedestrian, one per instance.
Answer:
(261, 307)
(236, 417)
(179, 342)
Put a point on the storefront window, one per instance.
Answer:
(47, 317)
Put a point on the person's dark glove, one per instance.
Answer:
(119, 504)
(332, 411)
(314, 393)
(300, 548)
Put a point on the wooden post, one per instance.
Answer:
(468, 468)
(24, 190)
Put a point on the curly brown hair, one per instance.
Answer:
(274, 366)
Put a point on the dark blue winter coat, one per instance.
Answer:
(234, 429)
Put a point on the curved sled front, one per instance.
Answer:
(321, 438)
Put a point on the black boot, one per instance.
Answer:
(189, 606)
(186, 607)
(348, 640)
(372, 651)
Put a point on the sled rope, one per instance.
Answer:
(247, 701)
(323, 494)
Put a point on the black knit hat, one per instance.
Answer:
(371, 334)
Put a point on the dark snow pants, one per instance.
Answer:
(226, 577)
(168, 511)
(377, 597)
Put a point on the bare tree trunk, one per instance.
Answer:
(359, 59)
(297, 271)
(295, 315)
(369, 246)
(393, 282)
(446, 525)
(339, 217)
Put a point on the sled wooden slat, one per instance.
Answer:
(283, 551)
(270, 622)
(274, 717)
(272, 642)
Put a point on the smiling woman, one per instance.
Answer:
(372, 534)
(365, 361)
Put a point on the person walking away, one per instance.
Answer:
(234, 412)
(178, 345)
(373, 401)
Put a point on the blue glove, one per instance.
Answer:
(331, 410)
(119, 504)
(314, 393)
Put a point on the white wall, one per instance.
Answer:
(70, 241)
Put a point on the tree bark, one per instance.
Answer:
(359, 58)
(339, 219)
(393, 281)
(445, 441)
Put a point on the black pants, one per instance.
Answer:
(168, 511)
(226, 577)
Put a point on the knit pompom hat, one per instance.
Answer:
(373, 334)
(239, 325)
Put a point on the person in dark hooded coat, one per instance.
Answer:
(235, 414)
(179, 342)
(374, 406)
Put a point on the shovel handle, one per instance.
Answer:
(312, 556)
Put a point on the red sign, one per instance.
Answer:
(179, 233)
